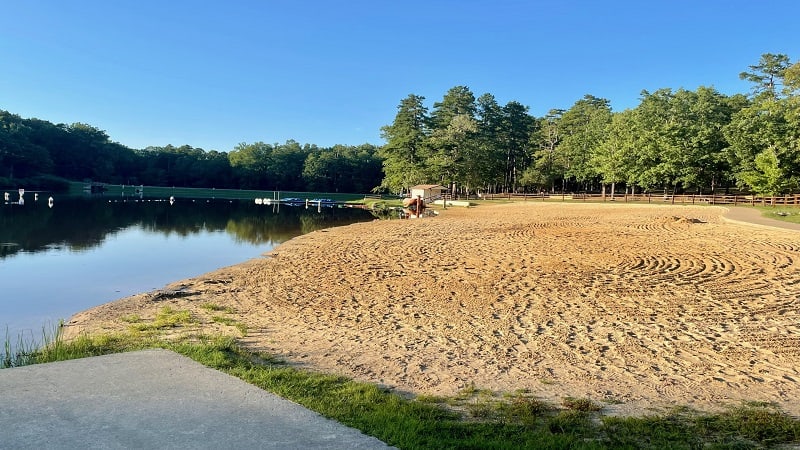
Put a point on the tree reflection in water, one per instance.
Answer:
(81, 223)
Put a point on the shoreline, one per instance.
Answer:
(641, 307)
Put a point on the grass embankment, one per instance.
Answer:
(116, 190)
(474, 418)
(784, 213)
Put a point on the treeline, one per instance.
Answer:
(675, 140)
(37, 153)
(678, 140)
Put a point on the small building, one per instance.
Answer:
(428, 192)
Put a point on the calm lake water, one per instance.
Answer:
(83, 252)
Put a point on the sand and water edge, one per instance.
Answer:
(640, 307)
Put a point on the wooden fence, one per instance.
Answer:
(683, 199)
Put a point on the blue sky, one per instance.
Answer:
(215, 74)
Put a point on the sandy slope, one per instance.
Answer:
(642, 306)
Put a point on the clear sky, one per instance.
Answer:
(213, 74)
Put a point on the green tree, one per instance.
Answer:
(486, 166)
(766, 124)
(549, 164)
(767, 76)
(343, 168)
(19, 156)
(285, 167)
(684, 145)
(792, 79)
(584, 128)
(767, 177)
(403, 153)
(453, 135)
(93, 148)
(502, 144)
(615, 159)
(701, 160)
(251, 164)
(515, 136)
(451, 144)
(457, 101)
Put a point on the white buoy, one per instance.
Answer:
(50, 202)
(172, 200)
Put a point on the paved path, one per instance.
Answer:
(155, 399)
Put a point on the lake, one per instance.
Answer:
(86, 251)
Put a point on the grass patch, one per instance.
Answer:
(231, 322)
(784, 213)
(131, 318)
(580, 404)
(433, 399)
(474, 418)
(165, 319)
(53, 348)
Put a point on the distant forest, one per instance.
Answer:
(674, 140)
(38, 153)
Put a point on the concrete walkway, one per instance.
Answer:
(155, 399)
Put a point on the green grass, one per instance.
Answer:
(51, 347)
(131, 318)
(784, 213)
(580, 404)
(231, 322)
(165, 319)
(115, 190)
(474, 418)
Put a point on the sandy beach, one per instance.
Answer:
(639, 307)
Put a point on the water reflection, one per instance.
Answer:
(82, 223)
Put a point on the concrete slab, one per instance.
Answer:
(155, 399)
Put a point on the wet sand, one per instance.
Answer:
(640, 307)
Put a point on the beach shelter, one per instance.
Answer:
(428, 192)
